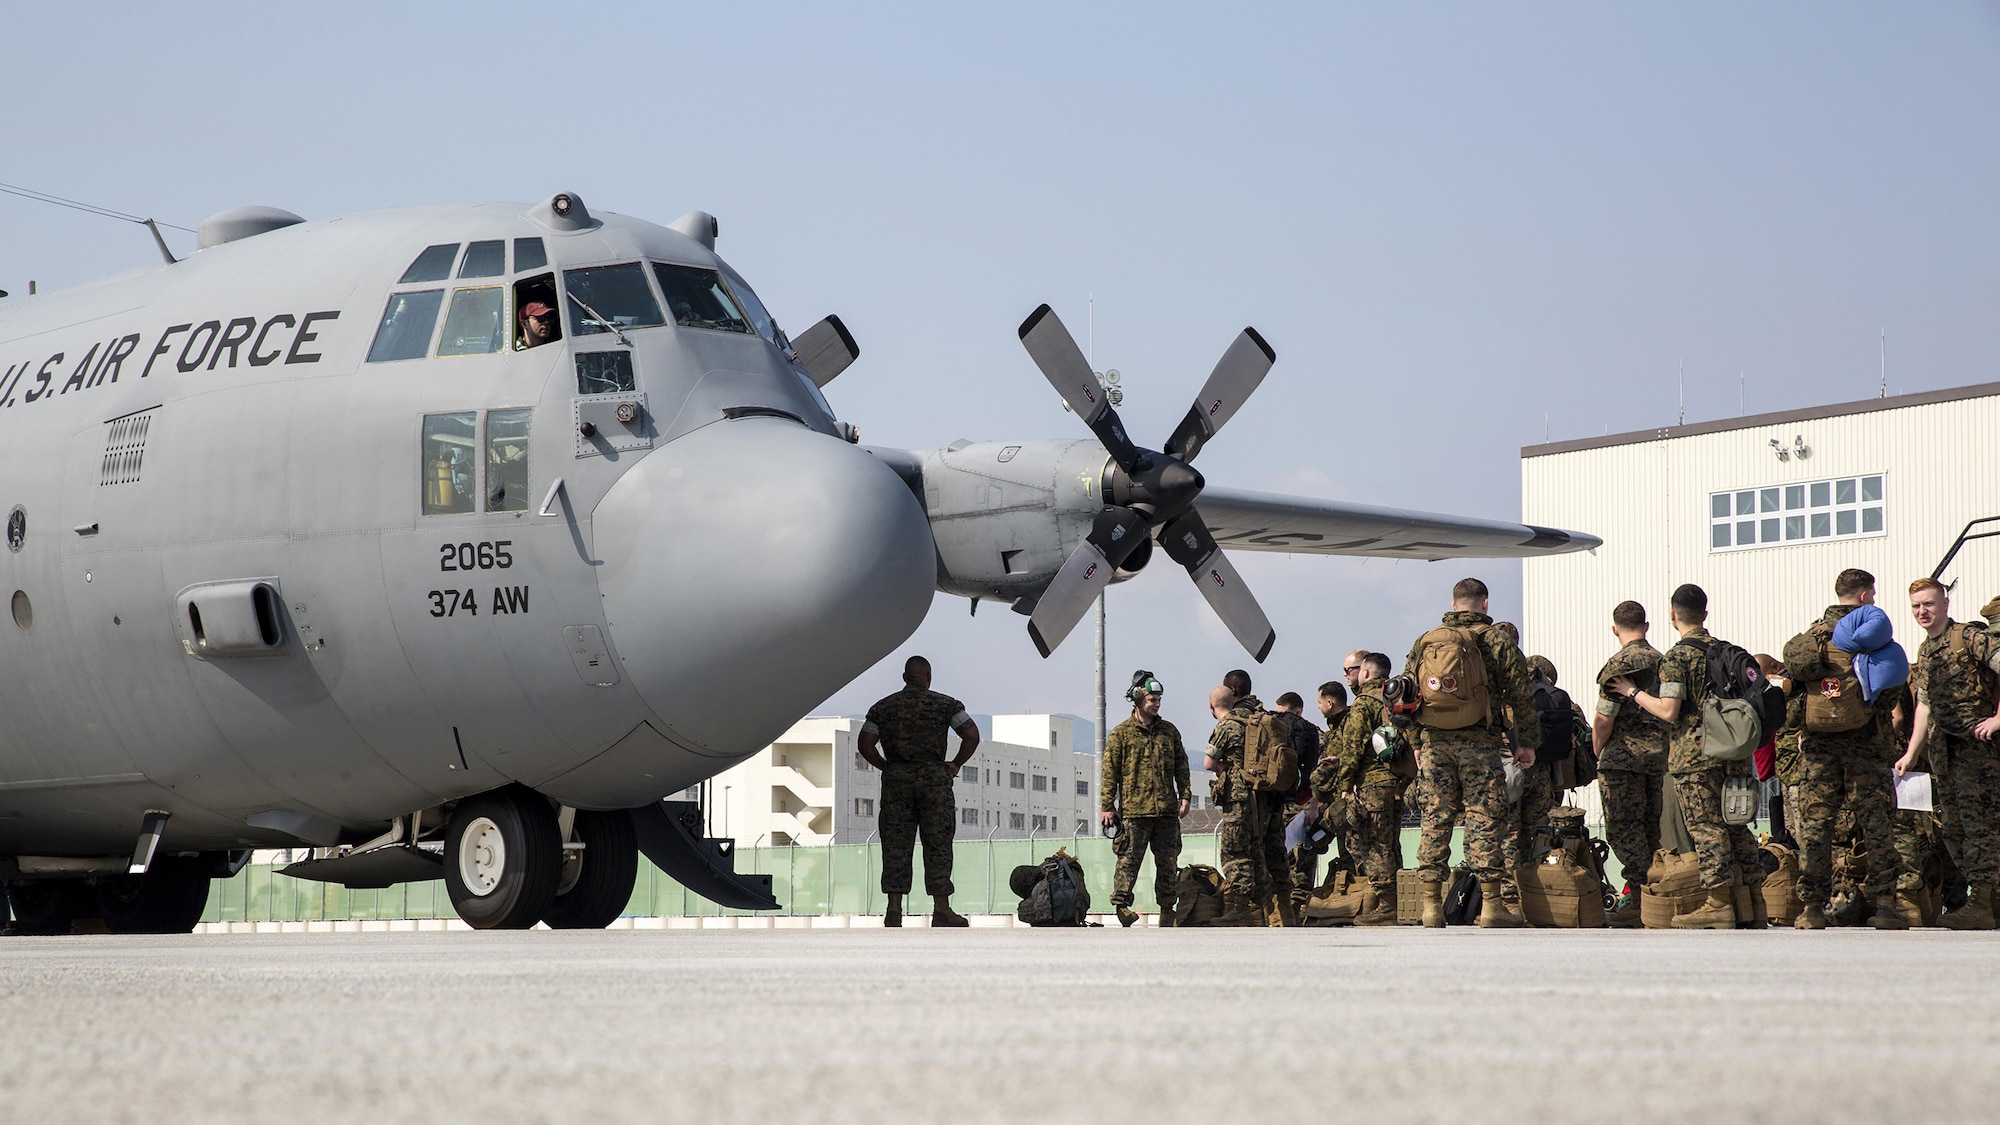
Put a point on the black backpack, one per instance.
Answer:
(1558, 724)
(1305, 740)
(1734, 674)
(1463, 901)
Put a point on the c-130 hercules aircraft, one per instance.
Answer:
(489, 526)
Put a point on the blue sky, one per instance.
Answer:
(1452, 222)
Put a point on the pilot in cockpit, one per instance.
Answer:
(538, 325)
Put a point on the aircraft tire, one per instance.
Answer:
(502, 859)
(167, 899)
(46, 907)
(610, 867)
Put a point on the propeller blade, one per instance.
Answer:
(1187, 541)
(1112, 539)
(1054, 350)
(825, 350)
(1234, 379)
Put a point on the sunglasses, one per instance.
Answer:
(1350, 667)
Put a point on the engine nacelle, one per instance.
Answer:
(1005, 515)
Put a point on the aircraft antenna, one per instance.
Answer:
(93, 209)
(1683, 382)
(1884, 392)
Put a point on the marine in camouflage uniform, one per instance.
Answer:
(1459, 771)
(1634, 760)
(1953, 686)
(1843, 769)
(1349, 766)
(1790, 761)
(1251, 841)
(1144, 779)
(1722, 850)
(1916, 831)
(1307, 739)
(916, 785)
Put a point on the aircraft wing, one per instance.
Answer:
(1263, 521)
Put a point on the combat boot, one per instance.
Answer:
(893, 917)
(1718, 913)
(942, 915)
(1813, 917)
(1127, 916)
(1434, 906)
(1167, 914)
(1493, 913)
(1885, 917)
(1910, 908)
(1238, 909)
(1976, 914)
(1378, 908)
(1287, 912)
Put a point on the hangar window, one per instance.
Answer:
(476, 323)
(968, 816)
(1017, 820)
(449, 470)
(617, 294)
(1841, 508)
(434, 264)
(407, 320)
(507, 459)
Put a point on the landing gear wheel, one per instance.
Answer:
(46, 907)
(167, 899)
(592, 896)
(502, 859)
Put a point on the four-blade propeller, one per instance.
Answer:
(1153, 491)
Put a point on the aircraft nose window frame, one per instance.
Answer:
(475, 325)
(433, 264)
(486, 258)
(450, 469)
(507, 459)
(409, 320)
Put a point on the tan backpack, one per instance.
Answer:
(1270, 764)
(1833, 702)
(1197, 895)
(1451, 678)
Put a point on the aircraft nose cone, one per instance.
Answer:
(753, 568)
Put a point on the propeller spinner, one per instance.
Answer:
(1152, 493)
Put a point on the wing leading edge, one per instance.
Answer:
(1263, 521)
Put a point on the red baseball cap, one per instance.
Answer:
(535, 308)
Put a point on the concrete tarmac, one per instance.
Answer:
(1004, 1025)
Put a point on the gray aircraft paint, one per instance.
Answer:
(732, 558)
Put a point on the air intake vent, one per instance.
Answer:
(124, 448)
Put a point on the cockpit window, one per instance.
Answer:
(529, 255)
(448, 464)
(405, 331)
(535, 319)
(759, 316)
(476, 323)
(617, 294)
(485, 259)
(434, 264)
(698, 298)
(507, 459)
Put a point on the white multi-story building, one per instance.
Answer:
(1032, 776)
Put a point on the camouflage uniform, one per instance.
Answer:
(1538, 796)
(916, 788)
(1304, 862)
(1790, 762)
(1349, 765)
(1969, 770)
(1633, 762)
(1845, 769)
(1252, 833)
(1144, 778)
(1723, 850)
(1915, 831)
(1459, 771)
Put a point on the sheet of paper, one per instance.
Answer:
(1913, 791)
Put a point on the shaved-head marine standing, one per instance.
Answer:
(904, 737)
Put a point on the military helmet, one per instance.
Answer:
(1991, 612)
(1544, 668)
(1143, 684)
